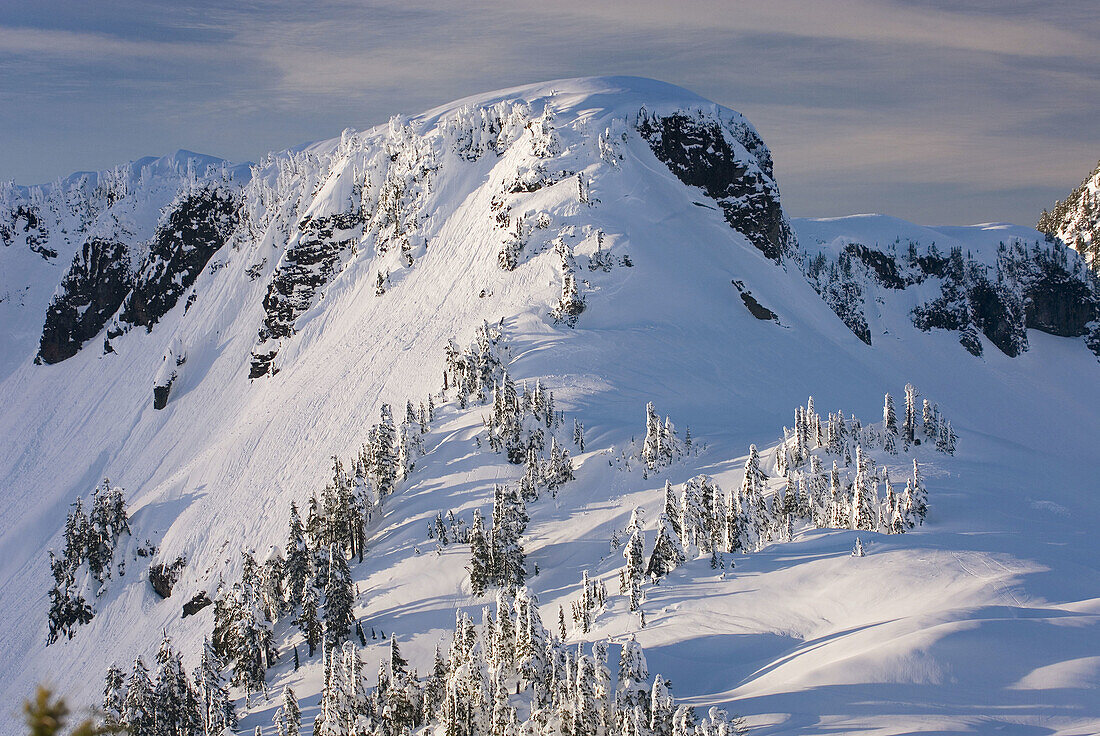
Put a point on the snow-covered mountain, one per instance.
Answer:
(614, 241)
(1076, 219)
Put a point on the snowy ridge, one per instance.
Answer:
(990, 283)
(1076, 220)
(799, 637)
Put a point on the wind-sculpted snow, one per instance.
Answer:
(531, 242)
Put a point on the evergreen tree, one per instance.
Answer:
(672, 508)
(928, 421)
(339, 600)
(381, 460)
(919, 494)
(252, 647)
(889, 417)
(215, 708)
(667, 553)
(660, 708)
(272, 584)
(308, 622)
(651, 445)
(114, 694)
(509, 523)
(634, 568)
(435, 688)
(175, 710)
(481, 562)
(288, 718)
(909, 428)
(139, 702)
(297, 559)
(632, 691)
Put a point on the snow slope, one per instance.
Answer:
(985, 618)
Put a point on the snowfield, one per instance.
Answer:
(985, 618)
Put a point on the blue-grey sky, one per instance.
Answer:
(938, 111)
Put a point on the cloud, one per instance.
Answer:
(88, 47)
(981, 94)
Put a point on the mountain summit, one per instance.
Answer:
(547, 352)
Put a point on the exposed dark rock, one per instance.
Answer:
(261, 364)
(306, 266)
(1060, 304)
(757, 309)
(90, 293)
(163, 576)
(699, 150)
(998, 318)
(198, 602)
(842, 290)
(25, 219)
(884, 266)
(196, 229)
(160, 394)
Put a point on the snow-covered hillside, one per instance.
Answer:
(1076, 219)
(622, 241)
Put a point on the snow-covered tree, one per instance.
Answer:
(339, 600)
(215, 707)
(667, 553)
(139, 704)
(175, 709)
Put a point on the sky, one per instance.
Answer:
(937, 111)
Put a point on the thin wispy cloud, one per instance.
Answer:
(860, 100)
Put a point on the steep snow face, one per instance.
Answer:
(615, 275)
(88, 237)
(1076, 219)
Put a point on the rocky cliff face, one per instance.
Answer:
(91, 292)
(198, 225)
(137, 282)
(732, 166)
(996, 293)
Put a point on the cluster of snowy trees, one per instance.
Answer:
(517, 426)
(840, 437)
(570, 304)
(87, 560)
(170, 703)
(496, 553)
(445, 529)
(699, 518)
(310, 579)
(593, 598)
(508, 677)
(473, 372)
(475, 131)
(520, 419)
(661, 447)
